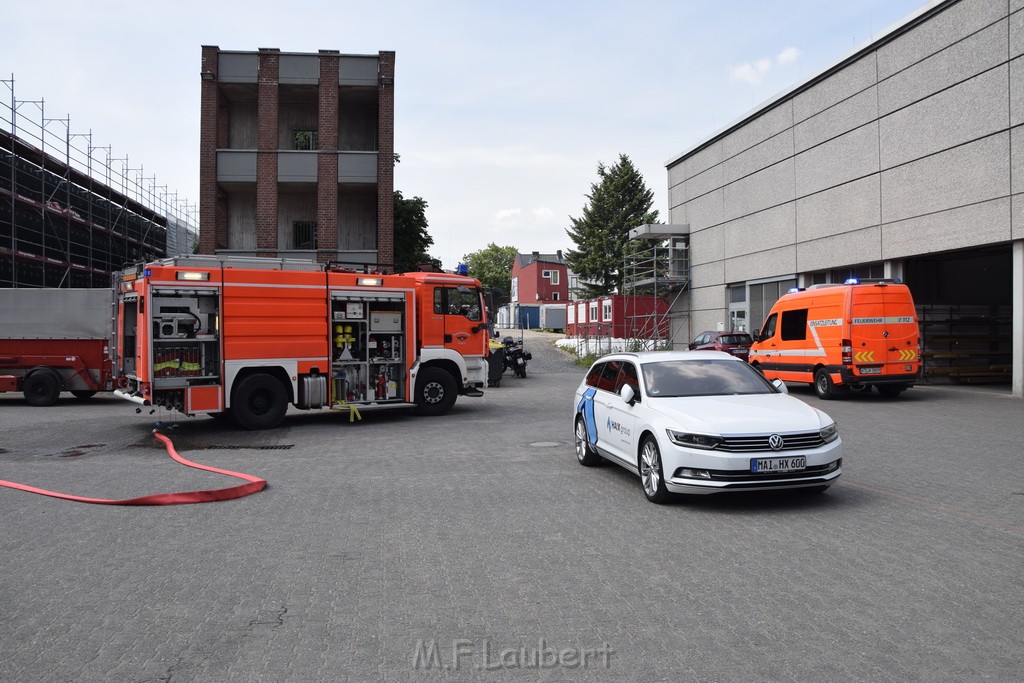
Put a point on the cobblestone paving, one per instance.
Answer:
(474, 547)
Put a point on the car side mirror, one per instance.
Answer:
(627, 394)
(780, 385)
(756, 336)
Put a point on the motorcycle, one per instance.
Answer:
(515, 356)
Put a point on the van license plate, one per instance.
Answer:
(871, 371)
(773, 465)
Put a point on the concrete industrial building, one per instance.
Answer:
(297, 155)
(904, 159)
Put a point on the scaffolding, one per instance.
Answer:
(656, 264)
(71, 213)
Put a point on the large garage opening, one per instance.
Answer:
(965, 308)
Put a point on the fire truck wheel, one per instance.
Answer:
(259, 402)
(42, 387)
(435, 392)
(824, 387)
(83, 394)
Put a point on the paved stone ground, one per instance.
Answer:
(474, 547)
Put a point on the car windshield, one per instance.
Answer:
(675, 378)
(735, 339)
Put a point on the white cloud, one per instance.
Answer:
(788, 56)
(754, 72)
(504, 214)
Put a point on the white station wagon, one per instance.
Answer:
(701, 422)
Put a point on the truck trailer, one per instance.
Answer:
(54, 340)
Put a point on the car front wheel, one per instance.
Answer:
(585, 453)
(651, 472)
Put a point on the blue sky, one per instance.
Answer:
(503, 111)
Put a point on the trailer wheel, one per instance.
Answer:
(259, 402)
(42, 387)
(435, 392)
(83, 394)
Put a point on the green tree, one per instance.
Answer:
(492, 266)
(618, 202)
(411, 237)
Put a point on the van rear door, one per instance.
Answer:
(884, 331)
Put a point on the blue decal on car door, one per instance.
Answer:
(586, 407)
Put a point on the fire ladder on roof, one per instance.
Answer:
(656, 263)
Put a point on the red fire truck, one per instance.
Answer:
(244, 337)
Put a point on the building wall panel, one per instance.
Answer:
(968, 111)
(703, 160)
(760, 156)
(706, 245)
(242, 130)
(711, 298)
(765, 127)
(297, 167)
(1017, 160)
(957, 228)
(958, 62)
(857, 246)
(774, 227)
(1017, 214)
(841, 86)
(765, 189)
(708, 273)
(839, 209)
(840, 160)
(357, 221)
(955, 23)
(848, 115)
(705, 181)
(1016, 30)
(299, 69)
(1017, 92)
(967, 174)
(236, 167)
(237, 68)
(242, 221)
(764, 264)
(704, 211)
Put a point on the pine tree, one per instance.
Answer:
(618, 202)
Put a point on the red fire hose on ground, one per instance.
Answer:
(209, 496)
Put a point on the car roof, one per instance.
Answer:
(719, 334)
(661, 356)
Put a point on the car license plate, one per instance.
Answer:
(871, 371)
(773, 465)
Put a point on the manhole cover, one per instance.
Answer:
(545, 444)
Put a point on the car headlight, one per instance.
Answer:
(829, 433)
(704, 441)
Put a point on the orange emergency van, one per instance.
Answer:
(840, 337)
